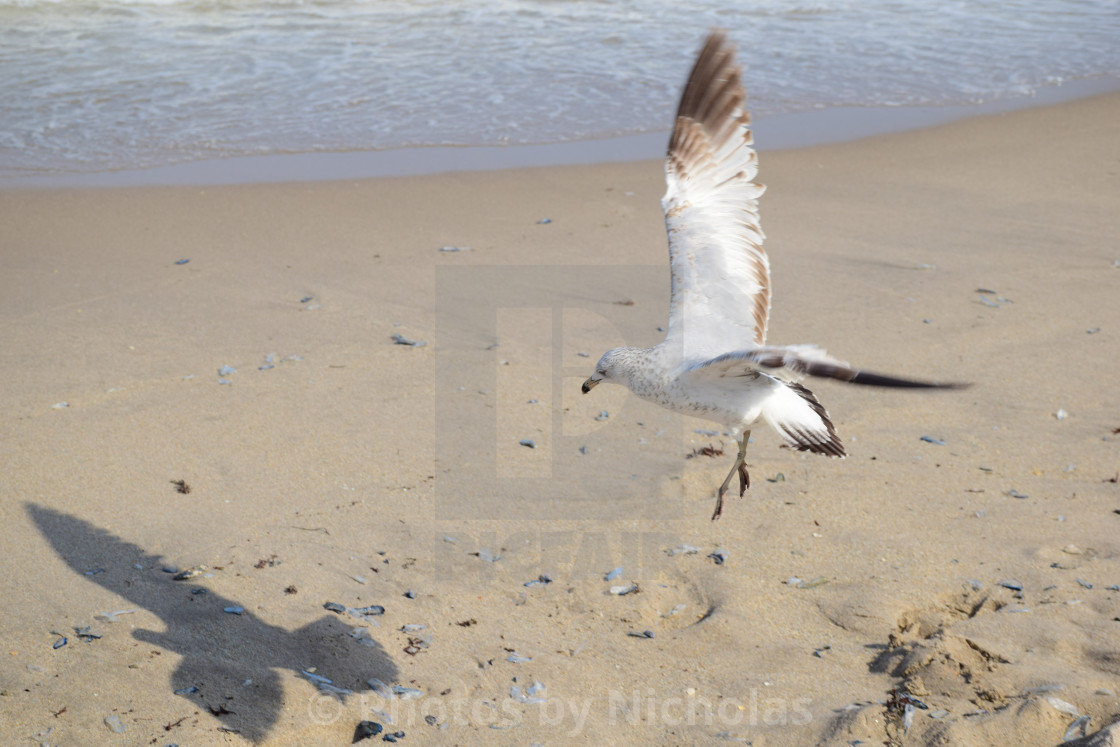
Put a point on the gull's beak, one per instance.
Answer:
(590, 384)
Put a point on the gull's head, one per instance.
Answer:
(611, 367)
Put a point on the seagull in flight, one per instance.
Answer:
(714, 362)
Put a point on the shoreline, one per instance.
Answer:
(779, 132)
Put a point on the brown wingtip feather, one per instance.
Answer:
(711, 122)
(713, 92)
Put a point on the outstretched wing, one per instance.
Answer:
(720, 273)
(795, 361)
(790, 408)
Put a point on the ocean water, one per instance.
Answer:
(108, 85)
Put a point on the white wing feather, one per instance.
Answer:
(720, 273)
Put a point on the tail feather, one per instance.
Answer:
(800, 419)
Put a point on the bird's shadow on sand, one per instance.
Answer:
(220, 651)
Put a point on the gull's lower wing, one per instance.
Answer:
(808, 360)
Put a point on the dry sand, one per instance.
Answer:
(356, 470)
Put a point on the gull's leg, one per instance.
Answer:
(740, 468)
(744, 476)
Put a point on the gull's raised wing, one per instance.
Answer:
(720, 272)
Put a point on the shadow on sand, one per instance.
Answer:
(220, 651)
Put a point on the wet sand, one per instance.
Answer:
(338, 466)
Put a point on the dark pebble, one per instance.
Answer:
(365, 730)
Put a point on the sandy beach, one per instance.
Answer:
(231, 497)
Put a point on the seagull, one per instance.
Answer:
(714, 362)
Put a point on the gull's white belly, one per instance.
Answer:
(737, 405)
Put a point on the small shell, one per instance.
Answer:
(189, 573)
(1078, 728)
(363, 636)
(907, 717)
(675, 611)
(372, 609)
(400, 339)
(380, 688)
(1063, 706)
(812, 583)
(112, 616)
